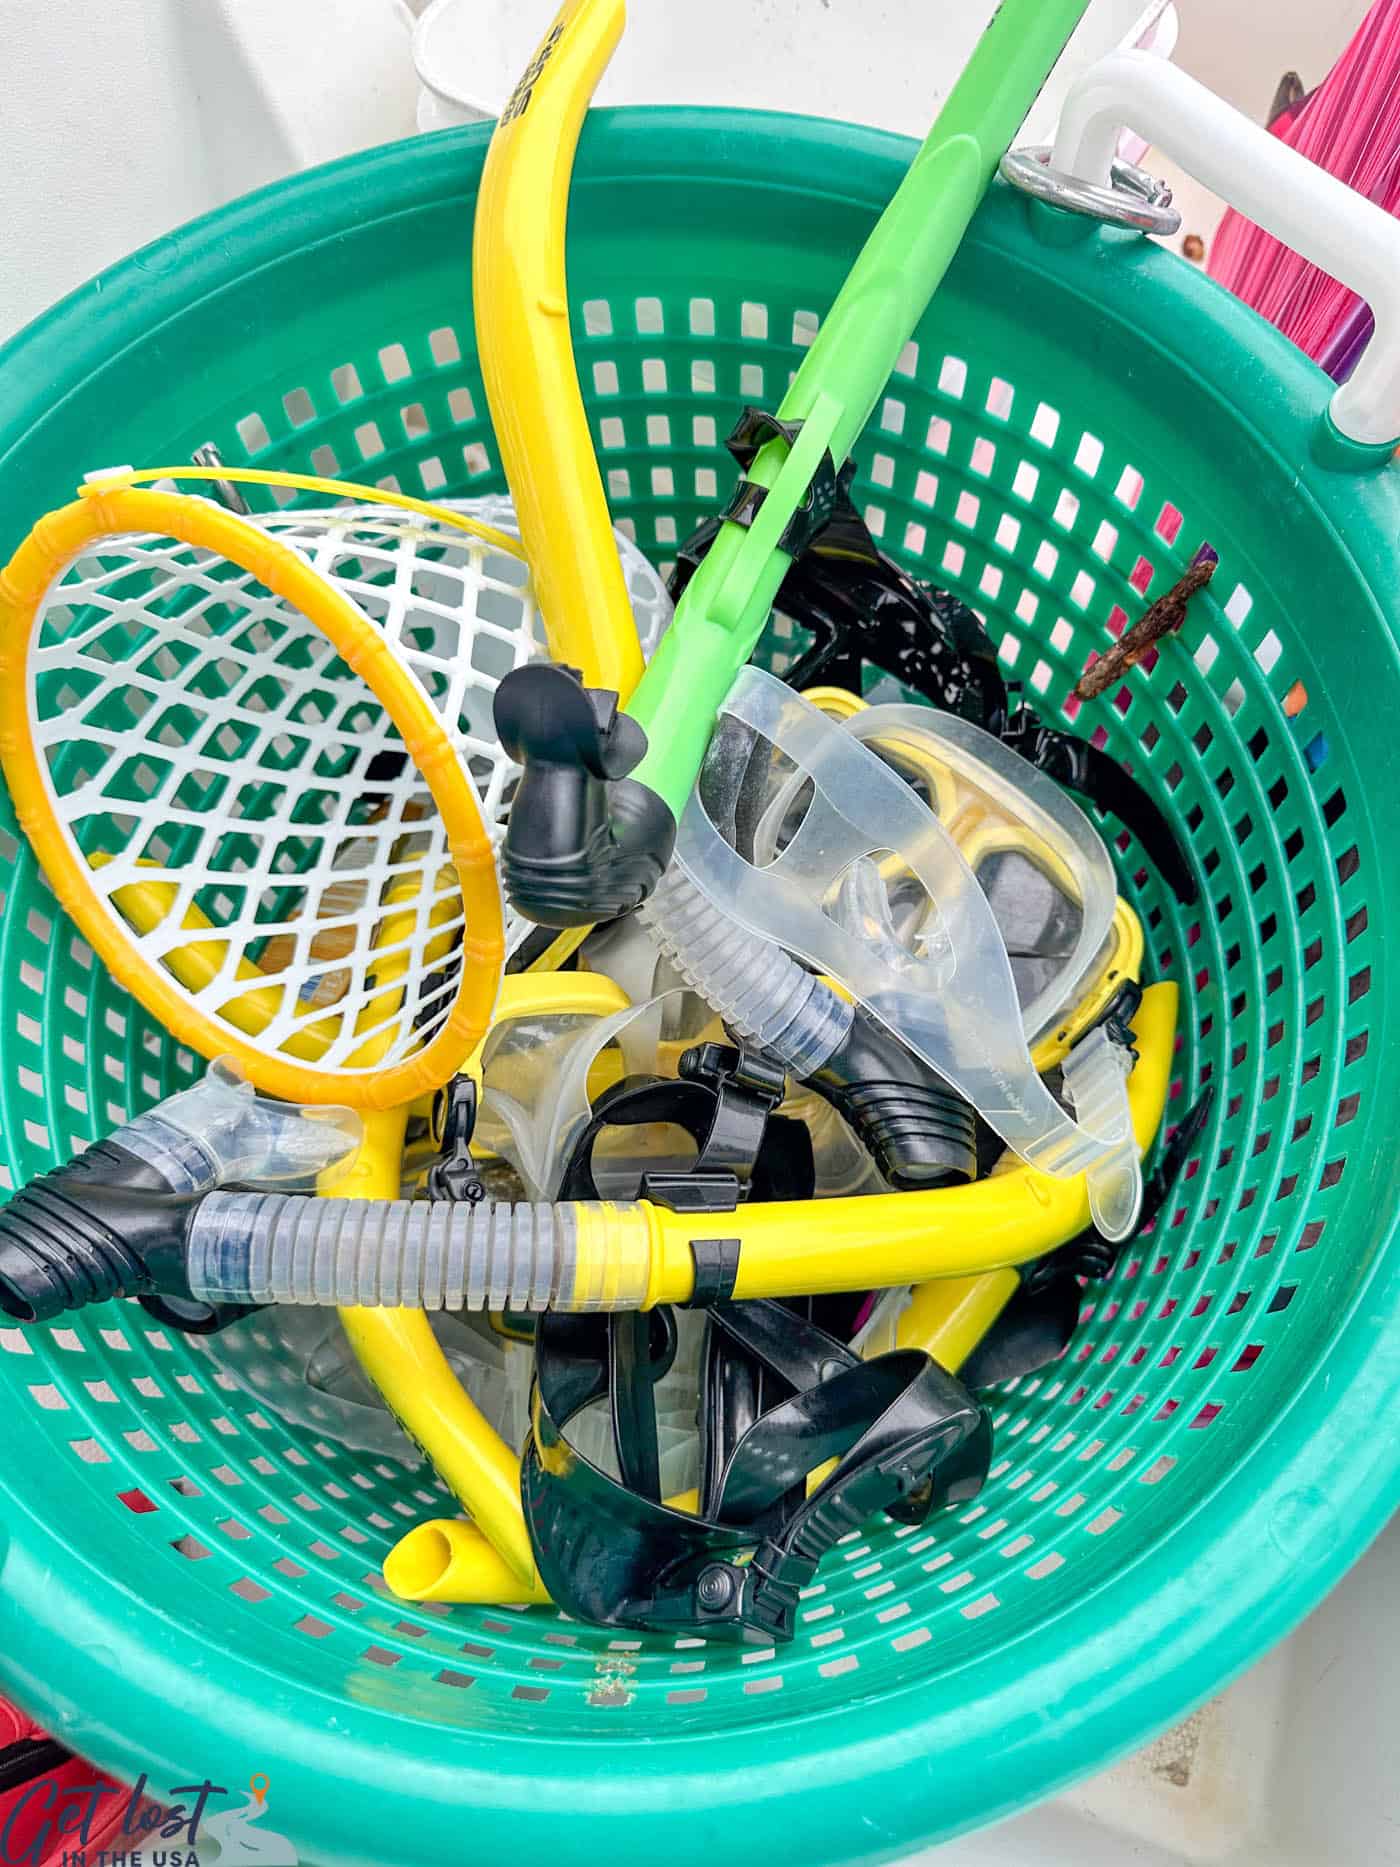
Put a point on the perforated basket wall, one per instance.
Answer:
(190, 1585)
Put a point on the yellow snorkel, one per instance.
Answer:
(526, 349)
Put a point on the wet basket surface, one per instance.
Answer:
(189, 1586)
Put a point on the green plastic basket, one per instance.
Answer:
(190, 1586)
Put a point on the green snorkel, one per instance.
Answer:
(593, 824)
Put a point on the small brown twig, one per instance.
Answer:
(1164, 617)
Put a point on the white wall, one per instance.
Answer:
(123, 118)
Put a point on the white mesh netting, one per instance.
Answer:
(244, 802)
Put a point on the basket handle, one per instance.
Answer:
(1293, 199)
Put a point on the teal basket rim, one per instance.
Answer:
(1223, 1585)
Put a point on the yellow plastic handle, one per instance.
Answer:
(448, 1560)
(404, 1359)
(526, 349)
(948, 1316)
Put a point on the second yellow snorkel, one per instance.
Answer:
(526, 349)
